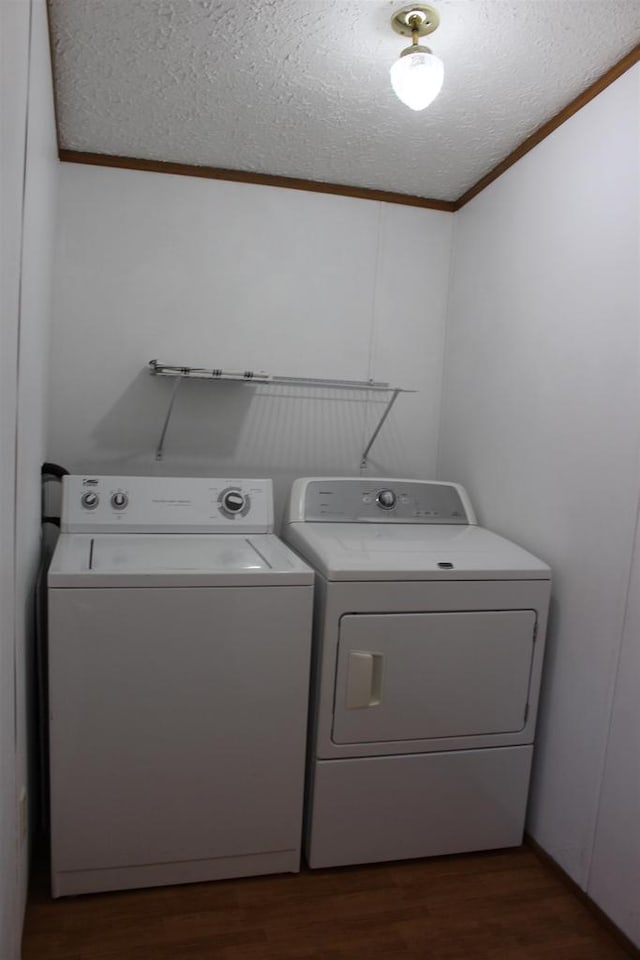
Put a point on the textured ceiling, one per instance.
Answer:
(300, 88)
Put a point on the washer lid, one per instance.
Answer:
(142, 554)
(132, 560)
(358, 551)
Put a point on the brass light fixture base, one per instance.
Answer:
(418, 17)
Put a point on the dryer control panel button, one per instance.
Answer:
(386, 499)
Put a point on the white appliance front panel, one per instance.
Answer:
(177, 726)
(98, 504)
(334, 600)
(136, 553)
(420, 676)
(391, 808)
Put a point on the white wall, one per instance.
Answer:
(27, 190)
(540, 422)
(35, 316)
(238, 276)
(614, 880)
(14, 40)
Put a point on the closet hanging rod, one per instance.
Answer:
(249, 376)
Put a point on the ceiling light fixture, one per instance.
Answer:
(417, 76)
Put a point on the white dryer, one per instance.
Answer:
(428, 647)
(179, 645)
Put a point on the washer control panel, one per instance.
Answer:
(166, 505)
(364, 500)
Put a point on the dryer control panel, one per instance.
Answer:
(92, 504)
(378, 500)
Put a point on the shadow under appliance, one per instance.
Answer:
(179, 644)
(428, 647)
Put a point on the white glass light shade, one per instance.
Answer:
(417, 78)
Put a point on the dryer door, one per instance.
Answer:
(420, 676)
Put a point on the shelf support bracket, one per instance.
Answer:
(174, 393)
(248, 376)
(387, 411)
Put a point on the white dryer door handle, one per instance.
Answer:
(364, 679)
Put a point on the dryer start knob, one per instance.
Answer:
(386, 499)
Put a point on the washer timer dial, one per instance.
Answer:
(90, 500)
(234, 503)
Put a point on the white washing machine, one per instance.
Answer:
(428, 647)
(179, 646)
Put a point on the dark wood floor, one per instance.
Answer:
(498, 906)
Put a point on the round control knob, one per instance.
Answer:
(90, 500)
(386, 499)
(119, 500)
(233, 501)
